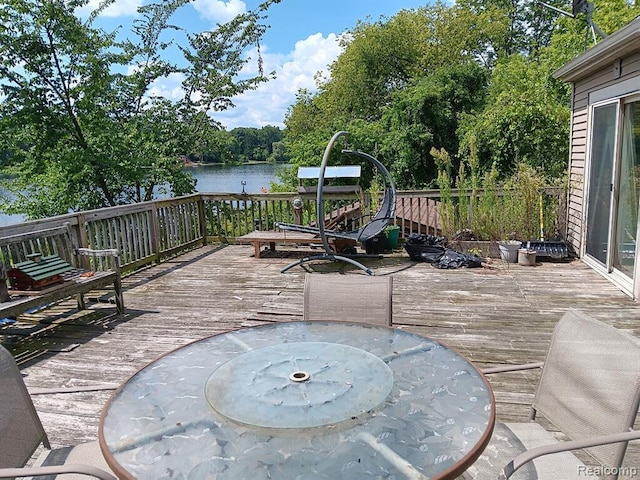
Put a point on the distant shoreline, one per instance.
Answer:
(211, 177)
(190, 164)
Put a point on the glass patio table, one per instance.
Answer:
(300, 400)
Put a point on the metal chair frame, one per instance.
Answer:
(566, 377)
(22, 430)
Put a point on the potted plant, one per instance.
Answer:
(509, 250)
(392, 232)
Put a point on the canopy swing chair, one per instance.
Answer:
(384, 216)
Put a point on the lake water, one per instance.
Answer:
(214, 179)
(229, 179)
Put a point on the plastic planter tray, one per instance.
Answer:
(553, 249)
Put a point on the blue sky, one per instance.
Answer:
(302, 40)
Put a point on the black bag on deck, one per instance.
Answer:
(431, 249)
(425, 248)
(452, 259)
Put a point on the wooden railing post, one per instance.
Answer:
(155, 229)
(79, 237)
(4, 292)
(81, 232)
(201, 219)
(298, 204)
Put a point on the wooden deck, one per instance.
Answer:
(500, 314)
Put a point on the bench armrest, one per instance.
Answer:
(111, 252)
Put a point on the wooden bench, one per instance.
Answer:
(92, 269)
(262, 237)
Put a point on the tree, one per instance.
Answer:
(476, 74)
(79, 124)
(378, 59)
(255, 143)
(526, 120)
(425, 116)
(572, 36)
(398, 88)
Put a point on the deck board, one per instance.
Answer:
(499, 314)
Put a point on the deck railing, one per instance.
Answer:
(150, 232)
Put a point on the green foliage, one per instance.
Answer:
(80, 133)
(571, 37)
(445, 184)
(414, 119)
(495, 210)
(509, 27)
(475, 74)
(426, 115)
(420, 81)
(257, 144)
(379, 59)
(518, 126)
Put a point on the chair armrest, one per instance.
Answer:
(534, 453)
(56, 470)
(80, 388)
(511, 368)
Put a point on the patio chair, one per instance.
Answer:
(589, 390)
(375, 225)
(21, 433)
(354, 298)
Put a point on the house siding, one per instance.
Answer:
(628, 68)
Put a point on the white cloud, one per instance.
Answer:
(119, 8)
(268, 104)
(219, 11)
(169, 87)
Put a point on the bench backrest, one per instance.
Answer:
(55, 241)
(339, 171)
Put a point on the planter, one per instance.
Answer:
(527, 257)
(509, 250)
(393, 234)
(483, 248)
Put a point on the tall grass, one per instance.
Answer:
(494, 210)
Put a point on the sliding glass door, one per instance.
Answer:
(614, 189)
(603, 147)
(627, 208)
